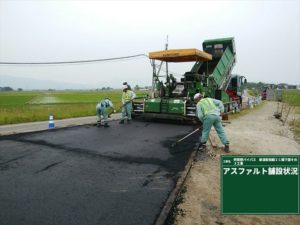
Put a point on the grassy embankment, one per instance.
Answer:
(19, 107)
(243, 112)
(292, 97)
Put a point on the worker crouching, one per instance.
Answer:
(127, 98)
(208, 111)
(101, 110)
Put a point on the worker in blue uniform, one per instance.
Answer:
(101, 110)
(208, 110)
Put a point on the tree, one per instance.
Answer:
(6, 89)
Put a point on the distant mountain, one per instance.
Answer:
(32, 84)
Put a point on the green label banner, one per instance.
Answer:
(260, 184)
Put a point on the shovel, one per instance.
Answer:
(185, 137)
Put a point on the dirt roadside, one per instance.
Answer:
(255, 133)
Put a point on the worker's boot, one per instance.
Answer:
(106, 125)
(226, 149)
(121, 122)
(202, 147)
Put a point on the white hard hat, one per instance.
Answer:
(198, 95)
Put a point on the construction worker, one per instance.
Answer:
(208, 111)
(101, 110)
(128, 85)
(127, 98)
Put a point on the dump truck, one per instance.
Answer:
(210, 75)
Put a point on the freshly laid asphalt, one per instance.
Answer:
(88, 175)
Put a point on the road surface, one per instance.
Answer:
(90, 175)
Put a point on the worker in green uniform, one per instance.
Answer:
(101, 110)
(127, 98)
(208, 110)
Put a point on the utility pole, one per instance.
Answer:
(167, 43)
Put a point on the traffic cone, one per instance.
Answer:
(51, 121)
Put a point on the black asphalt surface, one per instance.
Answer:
(87, 175)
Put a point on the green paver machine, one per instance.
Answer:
(210, 75)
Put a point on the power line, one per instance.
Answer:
(73, 62)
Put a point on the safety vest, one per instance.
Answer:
(207, 106)
(127, 96)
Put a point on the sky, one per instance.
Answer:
(267, 37)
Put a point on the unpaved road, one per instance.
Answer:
(255, 133)
(85, 175)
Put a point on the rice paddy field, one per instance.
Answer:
(25, 106)
(30, 106)
(291, 97)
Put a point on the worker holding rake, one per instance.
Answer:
(208, 111)
(101, 110)
(127, 98)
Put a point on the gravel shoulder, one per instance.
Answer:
(255, 133)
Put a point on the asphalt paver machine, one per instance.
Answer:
(210, 75)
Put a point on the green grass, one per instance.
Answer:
(87, 97)
(16, 98)
(31, 113)
(291, 97)
(20, 107)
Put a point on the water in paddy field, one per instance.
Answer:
(44, 100)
